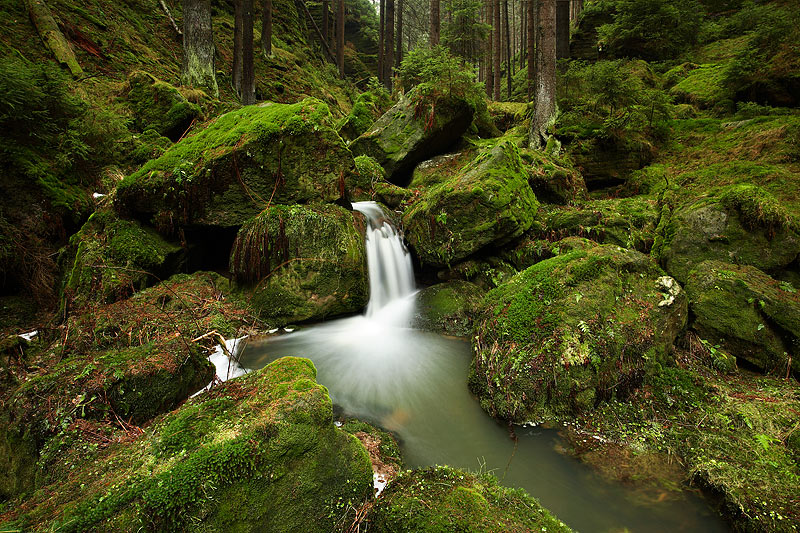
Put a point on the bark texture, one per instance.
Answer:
(545, 107)
(248, 88)
(48, 30)
(266, 27)
(388, 59)
(497, 47)
(562, 28)
(199, 69)
(434, 22)
(340, 37)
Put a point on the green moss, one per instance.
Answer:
(448, 307)
(443, 499)
(160, 106)
(235, 167)
(267, 438)
(305, 262)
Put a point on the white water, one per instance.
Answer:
(391, 276)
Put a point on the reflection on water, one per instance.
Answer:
(414, 384)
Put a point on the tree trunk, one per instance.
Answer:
(531, 44)
(398, 58)
(326, 21)
(562, 29)
(340, 37)
(434, 22)
(508, 49)
(523, 42)
(48, 30)
(381, 37)
(489, 50)
(248, 68)
(545, 107)
(388, 59)
(236, 78)
(266, 28)
(198, 47)
(497, 46)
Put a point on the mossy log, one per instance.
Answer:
(46, 25)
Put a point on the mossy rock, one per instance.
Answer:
(159, 106)
(741, 224)
(448, 307)
(529, 251)
(368, 107)
(442, 499)
(412, 131)
(573, 331)
(242, 162)
(488, 202)
(626, 222)
(114, 257)
(606, 163)
(485, 272)
(506, 115)
(747, 314)
(304, 263)
(553, 182)
(258, 453)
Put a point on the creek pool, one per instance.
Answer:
(413, 383)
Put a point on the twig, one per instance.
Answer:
(169, 15)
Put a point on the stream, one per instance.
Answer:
(414, 384)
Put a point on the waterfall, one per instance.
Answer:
(391, 276)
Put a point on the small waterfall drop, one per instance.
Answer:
(391, 276)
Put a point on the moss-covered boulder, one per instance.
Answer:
(747, 314)
(487, 202)
(448, 307)
(242, 162)
(258, 453)
(572, 331)
(553, 182)
(303, 263)
(742, 224)
(114, 257)
(159, 106)
(530, 250)
(412, 131)
(485, 272)
(368, 107)
(442, 499)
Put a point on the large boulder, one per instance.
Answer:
(412, 131)
(303, 262)
(487, 202)
(448, 307)
(747, 314)
(159, 106)
(242, 162)
(574, 330)
(444, 499)
(743, 224)
(258, 453)
(114, 257)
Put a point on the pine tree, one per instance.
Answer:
(545, 107)
(198, 47)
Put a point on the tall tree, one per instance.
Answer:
(326, 21)
(198, 47)
(388, 58)
(531, 43)
(381, 38)
(398, 57)
(545, 106)
(497, 46)
(266, 27)
(562, 28)
(248, 85)
(434, 19)
(508, 49)
(523, 42)
(490, 49)
(340, 37)
(238, 32)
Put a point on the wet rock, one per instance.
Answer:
(159, 106)
(572, 331)
(747, 314)
(412, 131)
(487, 202)
(245, 160)
(448, 308)
(303, 263)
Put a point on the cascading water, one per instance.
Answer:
(391, 276)
(413, 383)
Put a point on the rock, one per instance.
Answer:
(571, 331)
(487, 272)
(159, 106)
(114, 257)
(412, 131)
(370, 184)
(747, 314)
(607, 163)
(445, 499)
(448, 307)
(506, 115)
(742, 225)
(257, 452)
(304, 263)
(530, 251)
(246, 159)
(366, 109)
(553, 182)
(488, 202)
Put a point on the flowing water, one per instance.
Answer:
(414, 383)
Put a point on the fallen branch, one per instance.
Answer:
(48, 30)
(169, 16)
